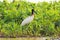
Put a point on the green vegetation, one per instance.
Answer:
(45, 23)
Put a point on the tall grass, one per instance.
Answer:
(46, 21)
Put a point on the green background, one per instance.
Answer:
(46, 20)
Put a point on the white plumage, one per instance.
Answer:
(27, 20)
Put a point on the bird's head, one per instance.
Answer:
(32, 11)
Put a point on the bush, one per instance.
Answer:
(45, 23)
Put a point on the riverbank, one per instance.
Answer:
(31, 38)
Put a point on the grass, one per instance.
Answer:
(46, 21)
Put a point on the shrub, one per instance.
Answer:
(47, 16)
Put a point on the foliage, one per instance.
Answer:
(45, 23)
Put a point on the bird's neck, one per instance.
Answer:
(32, 14)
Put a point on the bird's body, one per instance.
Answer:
(28, 19)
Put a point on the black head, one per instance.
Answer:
(32, 11)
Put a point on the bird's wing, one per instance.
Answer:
(27, 20)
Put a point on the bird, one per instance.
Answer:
(28, 19)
